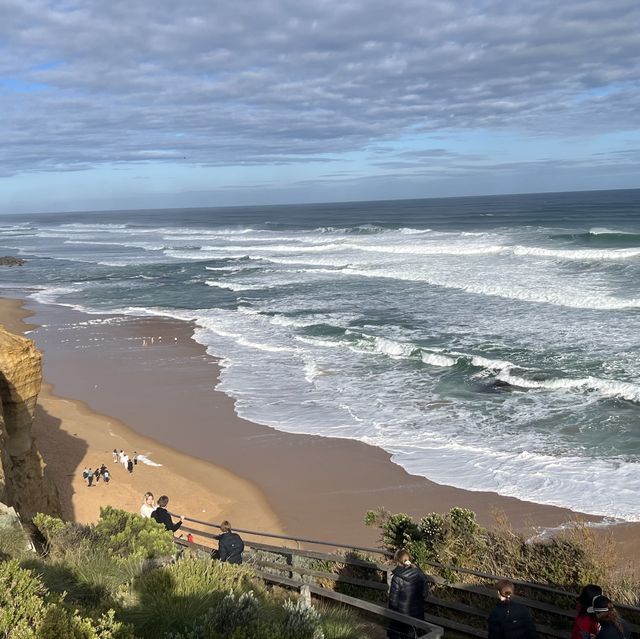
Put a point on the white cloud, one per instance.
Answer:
(260, 81)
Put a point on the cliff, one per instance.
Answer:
(23, 482)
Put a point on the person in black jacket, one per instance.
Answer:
(162, 516)
(230, 545)
(510, 620)
(407, 591)
(611, 626)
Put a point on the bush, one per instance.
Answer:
(14, 542)
(22, 605)
(172, 598)
(117, 532)
(125, 534)
(569, 560)
(27, 611)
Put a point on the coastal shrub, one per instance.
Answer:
(173, 598)
(117, 532)
(14, 542)
(21, 600)
(28, 611)
(574, 557)
(60, 536)
(124, 533)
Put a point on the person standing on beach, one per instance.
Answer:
(89, 477)
(106, 475)
(230, 545)
(407, 592)
(510, 620)
(115, 456)
(96, 475)
(85, 474)
(125, 460)
(162, 516)
(130, 465)
(147, 505)
(135, 457)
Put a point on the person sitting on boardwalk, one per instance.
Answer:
(162, 516)
(147, 505)
(230, 545)
(510, 620)
(585, 625)
(611, 626)
(407, 592)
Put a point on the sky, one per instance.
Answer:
(137, 104)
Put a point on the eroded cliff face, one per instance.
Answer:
(23, 481)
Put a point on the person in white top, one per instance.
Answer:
(148, 506)
(125, 460)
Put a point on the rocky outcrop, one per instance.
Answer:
(23, 481)
(9, 260)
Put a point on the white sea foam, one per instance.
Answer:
(435, 359)
(578, 254)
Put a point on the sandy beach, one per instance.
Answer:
(71, 436)
(160, 400)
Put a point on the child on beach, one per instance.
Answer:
(115, 456)
(106, 476)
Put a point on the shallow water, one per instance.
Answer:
(488, 343)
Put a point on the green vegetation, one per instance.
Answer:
(117, 579)
(568, 561)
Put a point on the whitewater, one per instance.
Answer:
(486, 343)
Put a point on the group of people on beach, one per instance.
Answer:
(230, 544)
(91, 476)
(127, 462)
(596, 617)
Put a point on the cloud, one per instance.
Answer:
(276, 81)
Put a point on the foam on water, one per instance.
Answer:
(395, 334)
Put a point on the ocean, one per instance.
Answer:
(488, 343)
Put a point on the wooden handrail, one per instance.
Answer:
(382, 552)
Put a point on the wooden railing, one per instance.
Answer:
(470, 603)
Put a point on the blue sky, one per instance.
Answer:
(140, 105)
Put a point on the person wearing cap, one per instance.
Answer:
(585, 625)
(407, 592)
(611, 625)
(509, 619)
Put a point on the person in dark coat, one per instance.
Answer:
(509, 619)
(611, 625)
(230, 545)
(162, 516)
(407, 592)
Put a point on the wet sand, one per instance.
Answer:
(71, 436)
(317, 487)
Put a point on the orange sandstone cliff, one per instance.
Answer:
(23, 481)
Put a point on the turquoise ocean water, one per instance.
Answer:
(489, 343)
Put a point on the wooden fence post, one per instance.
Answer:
(305, 594)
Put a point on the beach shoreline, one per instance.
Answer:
(70, 436)
(315, 487)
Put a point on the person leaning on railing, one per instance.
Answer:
(407, 592)
(162, 516)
